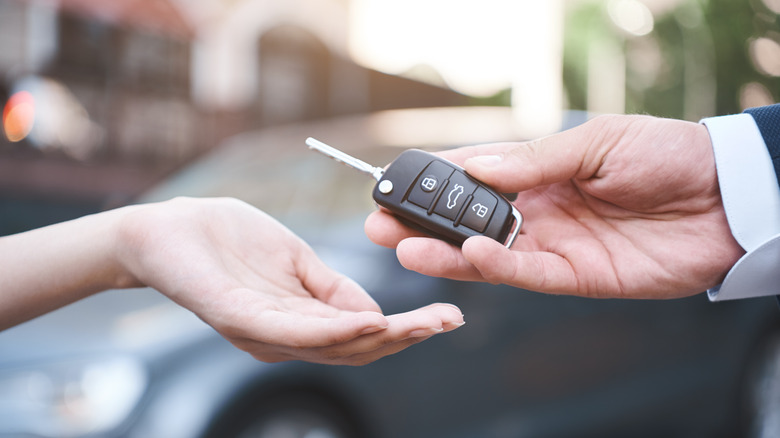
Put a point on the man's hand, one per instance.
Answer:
(622, 206)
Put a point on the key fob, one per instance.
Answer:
(437, 197)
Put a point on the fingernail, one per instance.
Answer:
(450, 326)
(373, 329)
(487, 160)
(419, 333)
(458, 322)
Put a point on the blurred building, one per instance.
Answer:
(123, 92)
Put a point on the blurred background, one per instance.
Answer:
(110, 102)
(103, 99)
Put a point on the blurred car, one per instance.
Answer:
(132, 364)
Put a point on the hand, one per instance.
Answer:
(622, 206)
(262, 287)
(240, 271)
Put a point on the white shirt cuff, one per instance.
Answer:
(756, 274)
(751, 199)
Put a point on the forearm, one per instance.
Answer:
(47, 268)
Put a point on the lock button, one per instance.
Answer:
(429, 183)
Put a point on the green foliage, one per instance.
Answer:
(733, 24)
(502, 98)
(584, 26)
(693, 64)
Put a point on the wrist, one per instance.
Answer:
(143, 235)
(123, 250)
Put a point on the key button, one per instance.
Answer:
(428, 183)
(479, 210)
(454, 196)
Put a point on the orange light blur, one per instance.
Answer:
(18, 116)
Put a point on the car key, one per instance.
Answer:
(436, 196)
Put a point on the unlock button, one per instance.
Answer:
(479, 211)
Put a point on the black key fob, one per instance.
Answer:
(439, 198)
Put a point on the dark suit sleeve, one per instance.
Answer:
(768, 120)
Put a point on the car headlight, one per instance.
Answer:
(70, 398)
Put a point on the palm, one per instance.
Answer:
(606, 249)
(264, 289)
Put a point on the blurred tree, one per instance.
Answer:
(734, 25)
(585, 25)
(696, 62)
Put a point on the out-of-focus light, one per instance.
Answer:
(754, 94)
(773, 5)
(449, 126)
(765, 54)
(60, 121)
(477, 47)
(631, 16)
(67, 399)
(18, 116)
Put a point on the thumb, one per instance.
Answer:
(523, 166)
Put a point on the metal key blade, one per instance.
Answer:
(345, 158)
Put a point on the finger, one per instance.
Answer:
(331, 358)
(537, 271)
(461, 154)
(522, 166)
(365, 358)
(332, 287)
(384, 229)
(425, 321)
(419, 323)
(435, 258)
(293, 330)
(405, 329)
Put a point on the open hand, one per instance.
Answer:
(262, 287)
